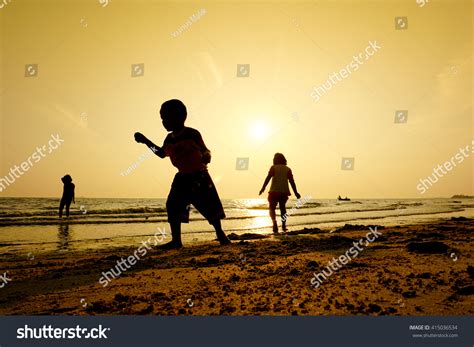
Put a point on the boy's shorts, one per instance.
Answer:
(197, 189)
(274, 198)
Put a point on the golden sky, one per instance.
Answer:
(82, 89)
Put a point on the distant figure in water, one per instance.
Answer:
(280, 174)
(68, 195)
(192, 184)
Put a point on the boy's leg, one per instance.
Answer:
(177, 211)
(206, 200)
(221, 236)
(175, 242)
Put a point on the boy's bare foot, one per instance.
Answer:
(225, 241)
(221, 236)
(171, 245)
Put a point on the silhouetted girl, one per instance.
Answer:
(280, 174)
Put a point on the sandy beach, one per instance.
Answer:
(411, 270)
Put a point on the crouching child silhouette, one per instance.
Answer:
(192, 184)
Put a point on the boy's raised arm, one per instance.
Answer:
(140, 138)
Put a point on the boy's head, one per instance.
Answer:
(279, 159)
(66, 179)
(173, 113)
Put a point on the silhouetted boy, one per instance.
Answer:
(280, 174)
(68, 195)
(192, 184)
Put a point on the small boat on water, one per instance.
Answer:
(343, 199)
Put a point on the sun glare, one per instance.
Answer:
(259, 130)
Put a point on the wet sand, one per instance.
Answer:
(410, 270)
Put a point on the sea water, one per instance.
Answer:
(32, 224)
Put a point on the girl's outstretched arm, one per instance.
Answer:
(140, 138)
(293, 185)
(269, 177)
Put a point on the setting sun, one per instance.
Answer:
(259, 130)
